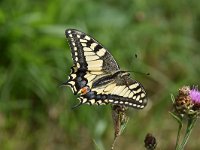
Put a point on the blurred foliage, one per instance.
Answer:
(35, 112)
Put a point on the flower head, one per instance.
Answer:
(188, 101)
(150, 142)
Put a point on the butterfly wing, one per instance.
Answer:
(91, 60)
(96, 75)
(88, 54)
(118, 89)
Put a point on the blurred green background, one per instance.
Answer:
(35, 112)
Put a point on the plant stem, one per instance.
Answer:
(178, 135)
(190, 125)
(179, 119)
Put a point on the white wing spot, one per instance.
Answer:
(73, 76)
(84, 41)
(110, 100)
(72, 83)
(93, 45)
(89, 53)
(87, 37)
(94, 68)
(83, 44)
(84, 100)
(139, 90)
(100, 102)
(87, 49)
(133, 85)
(140, 101)
(78, 65)
(116, 102)
(69, 31)
(78, 36)
(106, 100)
(91, 58)
(95, 64)
(142, 95)
(130, 95)
(138, 106)
(142, 106)
(101, 52)
(92, 101)
(138, 98)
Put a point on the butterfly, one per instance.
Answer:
(96, 77)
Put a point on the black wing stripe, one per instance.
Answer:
(97, 48)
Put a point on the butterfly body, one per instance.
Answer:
(97, 78)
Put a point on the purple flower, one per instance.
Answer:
(195, 95)
(187, 102)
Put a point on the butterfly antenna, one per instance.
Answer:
(142, 73)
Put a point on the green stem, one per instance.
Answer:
(178, 135)
(190, 125)
(179, 119)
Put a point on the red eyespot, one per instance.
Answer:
(85, 90)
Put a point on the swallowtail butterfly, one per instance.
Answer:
(97, 78)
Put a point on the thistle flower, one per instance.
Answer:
(195, 97)
(186, 104)
(187, 101)
(183, 101)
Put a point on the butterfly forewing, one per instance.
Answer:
(96, 76)
(88, 54)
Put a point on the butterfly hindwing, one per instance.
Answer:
(121, 90)
(96, 76)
